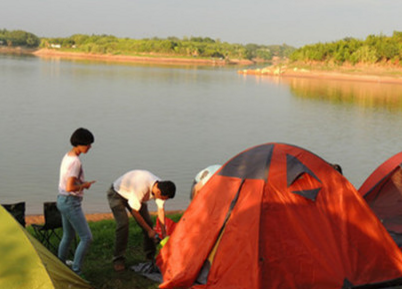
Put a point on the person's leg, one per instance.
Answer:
(118, 206)
(68, 230)
(80, 225)
(149, 244)
(74, 218)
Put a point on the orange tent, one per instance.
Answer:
(278, 216)
(383, 192)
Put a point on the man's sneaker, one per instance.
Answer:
(118, 267)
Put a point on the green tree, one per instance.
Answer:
(365, 54)
(193, 46)
(20, 38)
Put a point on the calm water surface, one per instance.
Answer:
(176, 120)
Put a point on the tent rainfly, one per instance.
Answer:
(383, 192)
(26, 263)
(279, 216)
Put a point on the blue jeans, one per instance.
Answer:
(73, 220)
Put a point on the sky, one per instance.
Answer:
(266, 22)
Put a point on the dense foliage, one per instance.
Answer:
(372, 50)
(18, 38)
(203, 47)
(172, 46)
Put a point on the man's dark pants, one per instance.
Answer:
(119, 206)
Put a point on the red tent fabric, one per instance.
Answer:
(169, 226)
(278, 216)
(383, 192)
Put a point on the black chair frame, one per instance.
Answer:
(17, 210)
(48, 231)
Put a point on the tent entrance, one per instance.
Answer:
(204, 272)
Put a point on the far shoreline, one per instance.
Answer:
(146, 58)
(374, 74)
(367, 74)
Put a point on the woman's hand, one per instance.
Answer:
(87, 185)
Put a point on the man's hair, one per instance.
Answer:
(168, 188)
(337, 167)
(82, 136)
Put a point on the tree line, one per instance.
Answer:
(18, 38)
(375, 49)
(203, 47)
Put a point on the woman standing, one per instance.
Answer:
(71, 192)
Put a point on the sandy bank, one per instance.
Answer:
(379, 75)
(51, 53)
(39, 219)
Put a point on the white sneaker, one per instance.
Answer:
(69, 263)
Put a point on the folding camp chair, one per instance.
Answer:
(17, 210)
(46, 232)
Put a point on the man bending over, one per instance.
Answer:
(132, 191)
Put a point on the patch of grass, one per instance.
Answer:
(98, 268)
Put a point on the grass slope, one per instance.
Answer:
(98, 268)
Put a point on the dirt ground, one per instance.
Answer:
(144, 59)
(39, 219)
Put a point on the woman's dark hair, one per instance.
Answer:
(82, 136)
(168, 188)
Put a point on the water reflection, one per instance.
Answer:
(363, 94)
(175, 121)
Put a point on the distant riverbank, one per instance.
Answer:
(352, 73)
(146, 58)
(380, 74)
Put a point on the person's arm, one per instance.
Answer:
(161, 217)
(143, 224)
(74, 185)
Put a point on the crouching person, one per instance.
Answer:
(131, 192)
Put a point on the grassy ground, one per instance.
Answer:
(98, 268)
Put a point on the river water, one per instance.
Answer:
(176, 120)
